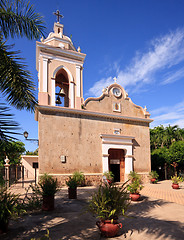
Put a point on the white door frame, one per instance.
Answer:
(117, 142)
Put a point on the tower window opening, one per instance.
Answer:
(62, 89)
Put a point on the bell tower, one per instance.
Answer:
(60, 70)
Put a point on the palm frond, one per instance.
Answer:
(18, 18)
(14, 80)
(8, 127)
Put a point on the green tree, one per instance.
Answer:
(7, 125)
(32, 152)
(158, 158)
(170, 135)
(176, 152)
(17, 19)
(11, 149)
(163, 137)
(156, 137)
(167, 147)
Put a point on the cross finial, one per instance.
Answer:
(57, 13)
(115, 79)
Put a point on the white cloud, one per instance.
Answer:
(173, 115)
(172, 77)
(164, 53)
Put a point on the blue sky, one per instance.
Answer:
(141, 42)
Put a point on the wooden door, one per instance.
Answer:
(117, 164)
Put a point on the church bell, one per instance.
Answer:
(61, 93)
(58, 101)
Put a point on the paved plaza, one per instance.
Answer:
(158, 215)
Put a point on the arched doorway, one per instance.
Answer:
(116, 161)
(62, 85)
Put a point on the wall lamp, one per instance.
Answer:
(30, 139)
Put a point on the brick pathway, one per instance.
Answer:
(163, 190)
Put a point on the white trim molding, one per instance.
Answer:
(117, 142)
(45, 75)
(53, 93)
(78, 80)
(93, 114)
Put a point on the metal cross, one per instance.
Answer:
(57, 13)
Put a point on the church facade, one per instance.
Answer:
(108, 133)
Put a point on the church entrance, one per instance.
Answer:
(117, 163)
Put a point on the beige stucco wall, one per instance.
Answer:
(27, 162)
(78, 138)
(105, 104)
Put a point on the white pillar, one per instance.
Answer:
(128, 164)
(78, 80)
(105, 164)
(39, 77)
(53, 87)
(72, 94)
(45, 75)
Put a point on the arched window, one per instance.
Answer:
(62, 88)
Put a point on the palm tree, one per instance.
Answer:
(7, 125)
(170, 135)
(17, 18)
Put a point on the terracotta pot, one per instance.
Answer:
(175, 186)
(3, 227)
(48, 203)
(109, 229)
(153, 180)
(134, 196)
(72, 193)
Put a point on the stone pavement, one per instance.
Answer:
(151, 218)
(163, 190)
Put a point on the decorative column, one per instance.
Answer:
(43, 90)
(78, 80)
(45, 75)
(72, 94)
(53, 89)
(105, 164)
(7, 171)
(128, 165)
(39, 76)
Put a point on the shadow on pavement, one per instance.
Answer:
(66, 222)
(139, 221)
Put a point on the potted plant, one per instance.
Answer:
(108, 176)
(48, 187)
(175, 181)
(107, 204)
(77, 179)
(135, 186)
(153, 175)
(72, 187)
(9, 206)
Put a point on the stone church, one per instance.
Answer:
(94, 135)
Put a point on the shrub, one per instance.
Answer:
(136, 184)
(10, 206)
(176, 179)
(72, 183)
(133, 176)
(48, 185)
(109, 202)
(153, 174)
(79, 177)
(109, 175)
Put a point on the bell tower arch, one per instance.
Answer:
(60, 70)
